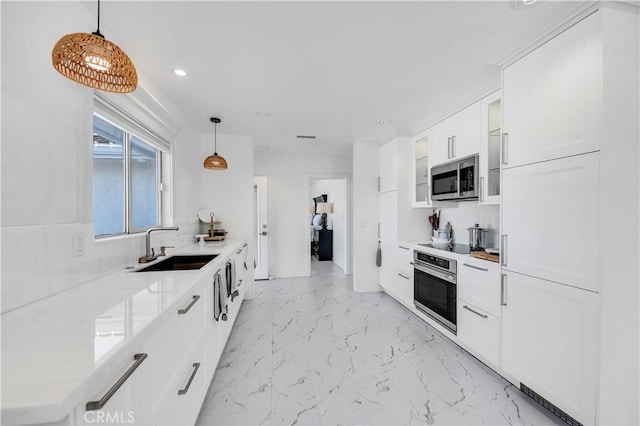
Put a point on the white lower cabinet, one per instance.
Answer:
(119, 398)
(397, 278)
(188, 388)
(479, 331)
(478, 308)
(405, 260)
(404, 288)
(165, 377)
(479, 284)
(549, 342)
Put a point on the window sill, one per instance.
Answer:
(115, 238)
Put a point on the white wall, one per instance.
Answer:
(336, 190)
(466, 215)
(365, 217)
(229, 193)
(47, 164)
(289, 205)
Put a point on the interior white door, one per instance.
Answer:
(261, 227)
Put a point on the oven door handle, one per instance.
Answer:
(447, 277)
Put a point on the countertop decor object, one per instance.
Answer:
(94, 61)
(215, 161)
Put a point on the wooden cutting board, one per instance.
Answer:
(486, 256)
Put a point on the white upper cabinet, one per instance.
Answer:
(550, 213)
(552, 96)
(549, 342)
(466, 132)
(456, 137)
(440, 146)
(490, 139)
(388, 166)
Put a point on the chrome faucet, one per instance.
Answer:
(150, 255)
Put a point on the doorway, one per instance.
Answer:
(261, 227)
(328, 229)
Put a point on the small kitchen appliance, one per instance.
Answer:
(477, 238)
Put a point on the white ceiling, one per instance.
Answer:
(330, 69)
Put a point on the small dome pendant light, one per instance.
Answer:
(93, 61)
(215, 162)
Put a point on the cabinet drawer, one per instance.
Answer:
(168, 350)
(479, 284)
(188, 389)
(125, 385)
(479, 331)
(405, 260)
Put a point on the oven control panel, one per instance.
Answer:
(440, 262)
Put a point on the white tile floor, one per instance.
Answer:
(311, 351)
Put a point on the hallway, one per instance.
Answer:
(311, 351)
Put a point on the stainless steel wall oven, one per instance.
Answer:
(435, 289)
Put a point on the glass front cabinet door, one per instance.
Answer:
(422, 170)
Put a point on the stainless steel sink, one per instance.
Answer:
(180, 263)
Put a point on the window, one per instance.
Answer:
(126, 179)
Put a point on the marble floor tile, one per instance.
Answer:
(310, 351)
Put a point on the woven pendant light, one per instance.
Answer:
(92, 60)
(215, 161)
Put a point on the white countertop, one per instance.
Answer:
(53, 349)
(415, 245)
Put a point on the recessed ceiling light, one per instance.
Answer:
(263, 148)
(263, 114)
(384, 122)
(527, 2)
(180, 73)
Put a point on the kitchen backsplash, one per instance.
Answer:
(38, 260)
(466, 215)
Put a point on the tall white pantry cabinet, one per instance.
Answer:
(570, 178)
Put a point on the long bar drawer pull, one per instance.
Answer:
(505, 143)
(476, 267)
(404, 276)
(193, 302)
(503, 250)
(475, 312)
(503, 289)
(97, 405)
(404, 248)
(196, 365)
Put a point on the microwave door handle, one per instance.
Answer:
(459, 180)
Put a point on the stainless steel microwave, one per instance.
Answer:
(457, 180)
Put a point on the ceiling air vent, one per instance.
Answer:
(306, 137)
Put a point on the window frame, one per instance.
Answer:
(129, 134)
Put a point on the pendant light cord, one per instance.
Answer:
(215, 138)
(97, 32)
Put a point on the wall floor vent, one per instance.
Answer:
(549, 406)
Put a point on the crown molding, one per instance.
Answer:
(467, 101)
(572, 14)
